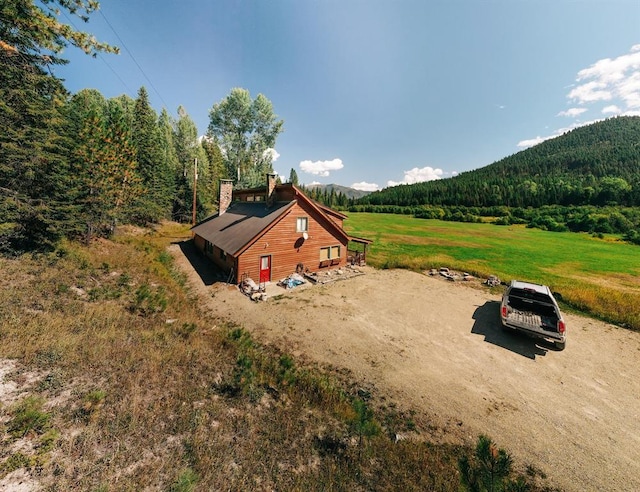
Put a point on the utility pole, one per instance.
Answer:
(195, 186)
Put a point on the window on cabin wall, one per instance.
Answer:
(302, 224)
(329, 253)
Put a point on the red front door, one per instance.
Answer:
(265, 269)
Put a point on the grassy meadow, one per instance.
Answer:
(599, 276)
(126, 384)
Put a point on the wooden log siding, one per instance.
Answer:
(225, 263)
(288, 249)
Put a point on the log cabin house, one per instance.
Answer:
(270, 232)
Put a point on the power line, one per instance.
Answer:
(116, 73)
(101, 57)
(133, 58)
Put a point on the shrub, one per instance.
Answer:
(124, 280)
(632, 236)
(489, 470)
(28, 417)
(149, 301)
(363, 422)
(186, 482)
(15, 462)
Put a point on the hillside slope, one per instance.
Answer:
(598, 164)
(114, 376)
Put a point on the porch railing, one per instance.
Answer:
(356, 258)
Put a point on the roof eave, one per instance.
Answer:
(311, 203)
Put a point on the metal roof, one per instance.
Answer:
(239, 224)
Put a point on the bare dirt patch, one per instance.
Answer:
(13, 386)
(437, 347)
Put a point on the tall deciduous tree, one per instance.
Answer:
(188, 149)
(217, 169)
(245, 130)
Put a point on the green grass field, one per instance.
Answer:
(598, 276)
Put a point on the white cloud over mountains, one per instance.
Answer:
(364, 186)
(418, 175)
(321, 168)
(573, 112)
(613, 109)
(615, 82)
(609, 79)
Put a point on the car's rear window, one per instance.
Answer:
(531, 294)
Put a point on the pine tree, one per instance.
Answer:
(169, 158)
(185, 138)
(293, 177)
(111, 181)
(155, 172)
(488, 470)
(31, 154)
(35, 204)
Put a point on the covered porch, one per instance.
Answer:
(357, 250)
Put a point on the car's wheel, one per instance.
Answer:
(560, 345)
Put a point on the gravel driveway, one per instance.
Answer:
(438, 347)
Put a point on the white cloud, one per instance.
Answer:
(416, 175)
(615, 81)
(613, 109)
(523, 144)
(321, 168)
(573, 112)
(590, 92)
(273, 153)
(608, 79)
(364, 186)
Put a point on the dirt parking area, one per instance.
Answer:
(438, 347)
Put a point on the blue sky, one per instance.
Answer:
(377, 92)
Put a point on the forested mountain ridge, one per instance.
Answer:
(598, 164)
(345, 190)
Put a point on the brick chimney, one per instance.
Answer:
(226, 195)
(271, 187)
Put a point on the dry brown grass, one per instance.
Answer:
(141, 389)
